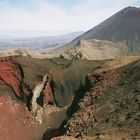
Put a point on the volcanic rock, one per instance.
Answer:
(109, 110)
(11, 75)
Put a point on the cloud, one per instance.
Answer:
(46, 16)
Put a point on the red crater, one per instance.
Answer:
(10, 74)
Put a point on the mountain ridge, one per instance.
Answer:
(121, 27)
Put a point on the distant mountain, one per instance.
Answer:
(38, 43)
(123, 27)
(20, 34)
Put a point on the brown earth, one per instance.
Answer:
(16, 121)
(108, 92)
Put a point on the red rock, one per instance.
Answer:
(10, 74)
(17, 123)
(48, 92)
(48, 97)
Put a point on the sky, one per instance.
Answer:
(57, 15)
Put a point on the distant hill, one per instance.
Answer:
(37, 43)
(122, 27)
(91, 49)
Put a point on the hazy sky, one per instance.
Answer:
(58, 15)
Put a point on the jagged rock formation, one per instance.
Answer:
(110, 107)
(17, 122)
(37, 109)
(109, 94)
(42, 96)
(95, 87)
(11, 75)
(49, 97)
(37, 92)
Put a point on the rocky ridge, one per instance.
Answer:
(110, 107)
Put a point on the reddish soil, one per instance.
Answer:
(47, 93)
(10, 74)
(15, 121)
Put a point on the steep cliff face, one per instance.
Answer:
(107, 95)
(110, 106)
(11, 75)
(16, 121)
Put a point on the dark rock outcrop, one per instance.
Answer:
(110, 107)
